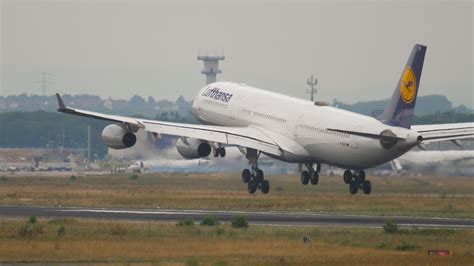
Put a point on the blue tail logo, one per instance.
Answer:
(402, 105)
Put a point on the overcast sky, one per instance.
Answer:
(121, 48)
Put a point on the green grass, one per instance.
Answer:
(411, 196)
(153, 242)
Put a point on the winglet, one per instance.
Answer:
(60, 103)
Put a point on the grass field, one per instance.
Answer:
(413, 196)
(168, 244)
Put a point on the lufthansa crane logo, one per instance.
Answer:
(408, 85)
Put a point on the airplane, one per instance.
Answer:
(12, 169)
(136, 167)
(293, 130)
(452, 162)
(7, 168)
(166, 164)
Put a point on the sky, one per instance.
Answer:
(356, 49)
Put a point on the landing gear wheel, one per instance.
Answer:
(259, 176)
(252, 187)
(353, 187)
(246, 175)
(257, 179)
(265, 186)
(314, 178)
(366, 187)
(361, 176)
(222, 152)
(215, 153)
(347, 176)
(304, 177)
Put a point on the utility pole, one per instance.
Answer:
(63, 137)
(44, 81)
(312, 82)
(88, 144)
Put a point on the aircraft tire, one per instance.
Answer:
(246, 175)
(259, 176)
(361, 176)
(353, 187)
(347, 176)
(252, 187)
(222, 152)
(367, 187)
(304, 177)
(314, 178)
(265, 186)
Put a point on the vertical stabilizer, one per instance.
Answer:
(402, 105)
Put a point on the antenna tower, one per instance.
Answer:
(312, 82)
(44, 83)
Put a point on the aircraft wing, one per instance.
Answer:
(440, 132)
(249, 137)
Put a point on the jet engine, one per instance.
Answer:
(192, 148)
(388, 143)
(115, 137)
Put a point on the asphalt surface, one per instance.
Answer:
(266, 218)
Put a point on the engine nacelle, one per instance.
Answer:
(115, 137)
(193, 148)
(388, 144)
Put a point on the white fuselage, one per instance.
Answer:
(239, 105)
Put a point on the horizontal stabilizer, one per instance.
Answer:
(441, 132)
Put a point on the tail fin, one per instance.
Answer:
(402, 105)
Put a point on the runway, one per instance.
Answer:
(263, 218)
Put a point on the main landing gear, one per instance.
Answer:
(219, 152)
(254, 177)
(356, 181)
(311, 175)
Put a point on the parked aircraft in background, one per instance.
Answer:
(165, 164)
(453, 162)
(12, 169)
(4, 167)
(291, 129)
